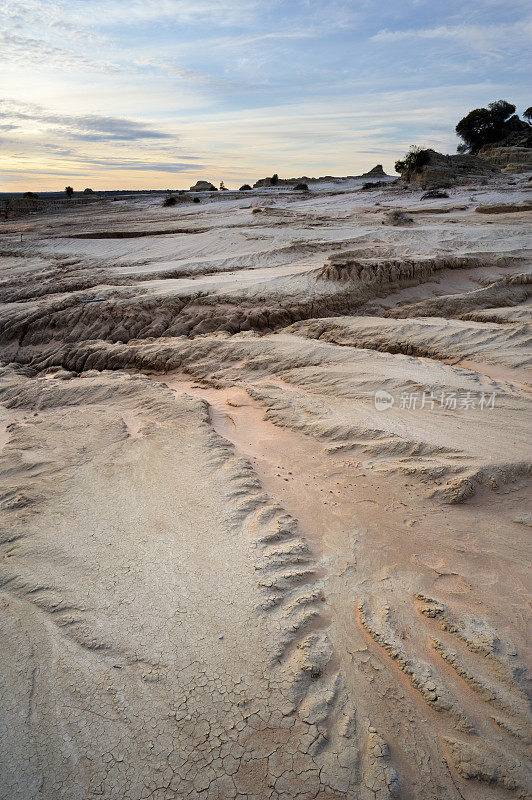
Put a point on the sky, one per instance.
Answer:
(137, 94)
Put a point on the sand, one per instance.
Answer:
(265, 497)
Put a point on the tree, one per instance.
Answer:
(501, 110)
(274, 180)
(69, 191)
(484, 125)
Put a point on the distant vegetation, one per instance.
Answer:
(170, 200)
(30, 195)
(245, 188)
(274, 180)
(498, 123)
(69, 191)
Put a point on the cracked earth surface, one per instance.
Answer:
(224, 573)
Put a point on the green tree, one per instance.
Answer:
(501, 110)
(484, 125)
(69, 191)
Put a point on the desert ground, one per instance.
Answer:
(265, 496)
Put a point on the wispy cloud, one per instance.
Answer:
(487, 40)
(26, 50)
(90, 127)
(107, 13)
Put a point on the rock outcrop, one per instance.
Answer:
(437, 170)
(203, 186)
(376, 172)
(508, 158)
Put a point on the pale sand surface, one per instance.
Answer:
(224, 573)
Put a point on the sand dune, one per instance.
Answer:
(265, 498)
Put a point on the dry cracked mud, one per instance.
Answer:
(265, 505)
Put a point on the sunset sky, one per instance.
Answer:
(142, 94)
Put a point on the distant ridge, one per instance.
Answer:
(376, 172)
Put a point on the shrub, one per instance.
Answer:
(69, 191)
(397, 217)
(169, 201)
(303, 187)
(245, 188)
(30, 196)
(196, 200)
(274, 180)
(412, 162)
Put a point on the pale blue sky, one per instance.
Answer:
(135, 93)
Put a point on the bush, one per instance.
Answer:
(30, 196)
(412, 162)
(196, 200)
(303, 187)
(245, 188)
(69, 191)
(169, 201)
(274, 180)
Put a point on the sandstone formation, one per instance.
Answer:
(375, 172)
(203, 186)
(264, 499)
(442, 171)
(508, 158)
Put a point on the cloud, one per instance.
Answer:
(24, 50)
(108, 13)
(88, 127)
(488, 40)
(140, 165)
(85, 165)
